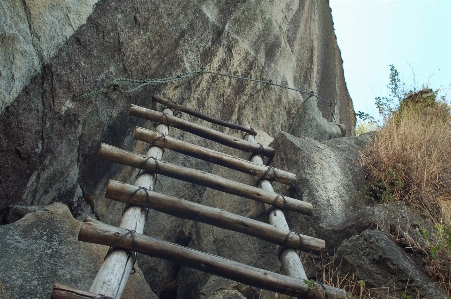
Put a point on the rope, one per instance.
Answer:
(127, 205)
(263, 177)
(116, 83)
(284, 243)
(144, 163)
(131, 254)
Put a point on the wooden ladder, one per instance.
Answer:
(127, 240)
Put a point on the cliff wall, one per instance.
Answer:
(57, 50)
(53, 50)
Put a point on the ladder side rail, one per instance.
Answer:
(115, 271)
(289, 259)
(175, 106)
(213, 156)
(291, 264)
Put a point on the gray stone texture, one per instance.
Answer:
(379, 261)
(31, 32)
(49, 140)
(42, 248)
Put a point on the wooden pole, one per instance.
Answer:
(203, 178)
(200, 130)
(175, 106)
(97, 232)
(61, 291)
(213, 156)
(189, 210)
(291, 264)
(115, 271)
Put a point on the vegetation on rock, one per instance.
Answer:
(410, 160)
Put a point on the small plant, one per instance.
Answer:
(441, 239)
(405, 296)
(385, 189)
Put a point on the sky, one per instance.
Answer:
(414, 36)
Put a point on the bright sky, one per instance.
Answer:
(415, 36)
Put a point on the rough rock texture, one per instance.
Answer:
(31, 33)
(330, 178)
(379, 261)
(221, 288)
(328, 174)
(49, 140)
(42, 248)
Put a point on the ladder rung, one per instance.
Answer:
(189, 210)
(61, 291)
(269, 173)
(175, 106)
(97, 232)
(200, 130)
(203, 178)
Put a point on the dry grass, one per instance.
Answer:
(356, 289)
(410, 160)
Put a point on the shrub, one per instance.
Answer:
(410, 160)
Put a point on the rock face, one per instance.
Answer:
(50, 137)
(31, 33)
(328, 174)
(49, 140)
(377, 260)
(329, 177)
(42, 248)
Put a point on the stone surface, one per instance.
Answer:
(379, 261)
(49, 140)
(221, 288)
(328, 175)
(48, 149)
(42, 248)
(31, 32)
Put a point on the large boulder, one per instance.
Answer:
(379, 243)
(42, 248)
(379, 261)
(328, 175)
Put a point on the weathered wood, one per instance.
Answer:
(189, 210)
(115, 271)
(213, 156)
(203, 178)
(175, 106)
(61, 291)
(200, 130)
(97, 232)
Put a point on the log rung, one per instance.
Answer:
(268, 172)
(97, 232)
(200, 130)
(203, 178)
(189, 210)
(61, 291)
(175, 106)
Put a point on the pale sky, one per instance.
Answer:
(415, 36)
